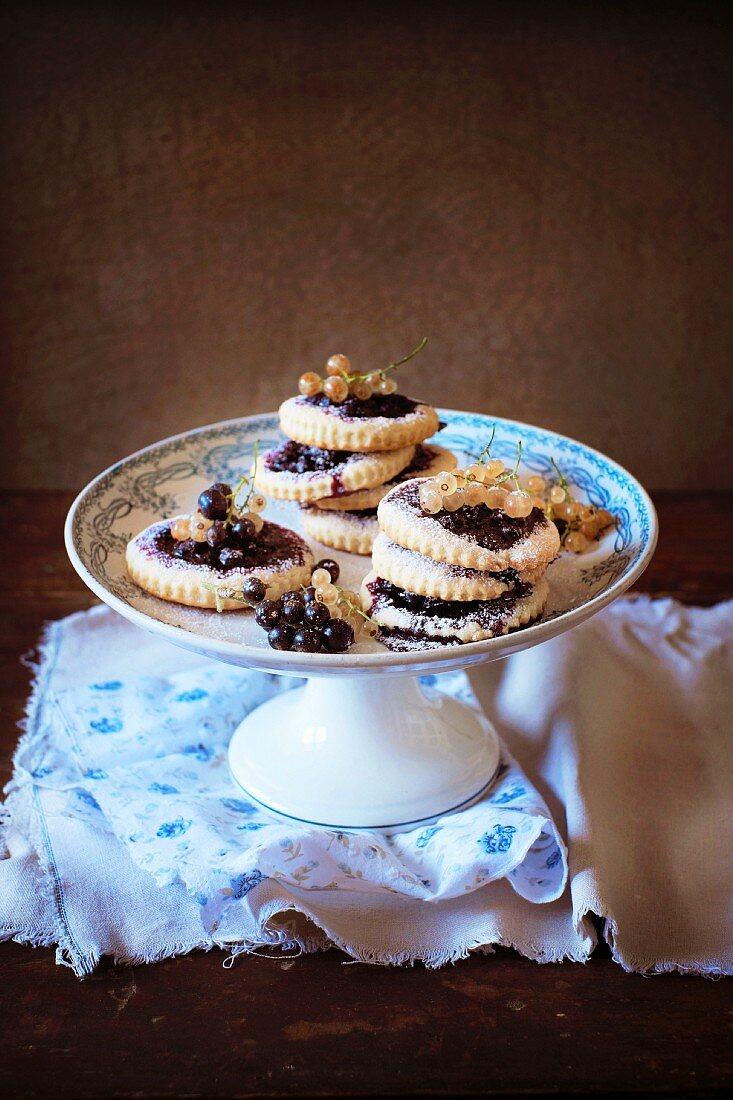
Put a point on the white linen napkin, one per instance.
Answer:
(125, 836)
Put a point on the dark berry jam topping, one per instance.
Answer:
(430, 607)
(392, 405)
(488, 527)
(362, 513)
(407, 641)
(296, 458)
(273, 546)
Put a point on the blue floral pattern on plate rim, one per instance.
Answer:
(161, 479)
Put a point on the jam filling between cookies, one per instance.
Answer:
(484, 611)
(392, 406)
(490, 528)
(275, 546)
(297, 458)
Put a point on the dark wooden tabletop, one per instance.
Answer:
(488, 1025)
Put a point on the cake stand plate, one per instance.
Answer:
(363, 745)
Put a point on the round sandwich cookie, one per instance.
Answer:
(410, 622)
(192, 572)
(415, 573)
(351, 531)
(296, 471)
(380, 422)
(473, 536)
(429, 459)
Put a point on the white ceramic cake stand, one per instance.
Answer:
(362, 745)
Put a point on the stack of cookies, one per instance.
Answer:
(351, 438)
(458, 558)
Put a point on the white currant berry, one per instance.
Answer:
(576, 541)
(564, 510)
(476, 472)
(257, 503)
(319, 577)
(494, 467)
(447, 484)
(310, 384)
(518, 504)
(338, 364)
(199, 526)
(557, 494)
(362, 390)
(495, 496)
(455, 500)
(181, 528)
(475, 493)
(336, 389)
(387, 386)
(535, 484)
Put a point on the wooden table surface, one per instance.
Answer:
(488, 1025)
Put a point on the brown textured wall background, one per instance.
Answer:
(199, 201)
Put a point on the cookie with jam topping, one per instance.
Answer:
(474, 535)
(213, 556)
(294, 471)
(408, 621)
(353, 411)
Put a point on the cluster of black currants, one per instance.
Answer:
(216, 534)
(298, 620)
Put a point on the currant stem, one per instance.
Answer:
(390, 366)
(486, 453)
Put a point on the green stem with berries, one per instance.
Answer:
(513, 475)
(244, 480)
(350, 378)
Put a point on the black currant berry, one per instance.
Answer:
(307, 641)
(217, 534)
(230, 557)
(316, 614)
(267, 614)
(242, 531)
(254, 590)
(293, 607)
(184, 549)
(281, 636)
(337, 636)
(310, 594)
(330, 566)
(213, 504)
(222, 487)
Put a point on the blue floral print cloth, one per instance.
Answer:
(141, 761)
(146, 757)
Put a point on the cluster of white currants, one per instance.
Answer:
(481, 483)
(339, 382)
(485, 483)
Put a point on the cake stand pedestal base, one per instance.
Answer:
(364, 752)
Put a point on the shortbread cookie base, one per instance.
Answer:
(360, 471)
(475, 626)
(441, 461)
(317, 426)
(183, 582)
(341, 530)
(415, 573)
(406, 524)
